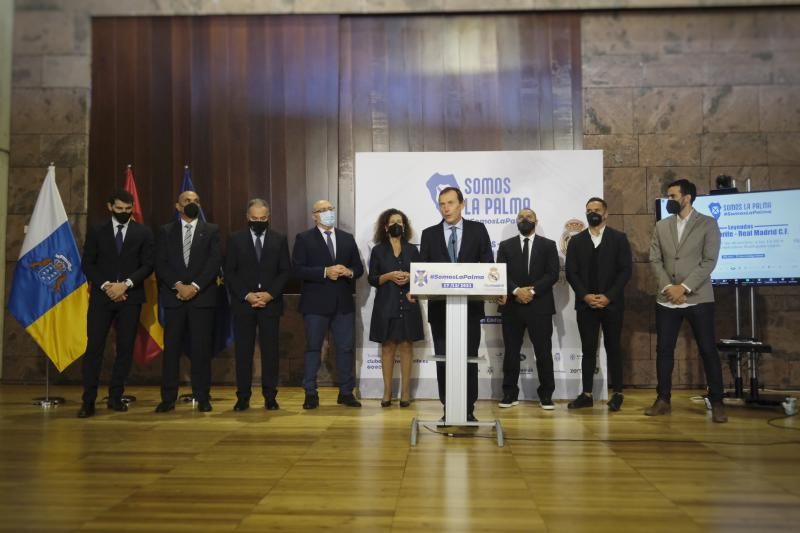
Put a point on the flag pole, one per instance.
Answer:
(47, 401)
(128, 398)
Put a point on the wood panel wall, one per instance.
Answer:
(250, 103)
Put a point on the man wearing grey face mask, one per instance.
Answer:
(327, 261)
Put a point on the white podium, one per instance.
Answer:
(457, 282)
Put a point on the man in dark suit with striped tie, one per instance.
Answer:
(117, 257)
(188, 258)
(257, 268)
(456, 240)
(326, 259)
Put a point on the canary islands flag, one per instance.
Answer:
(49, 294)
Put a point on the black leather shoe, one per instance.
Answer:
(348, 399)
(86, 410)
(471, 417)
(164, 407)
(204, 406)
(311, 401)
(386, 403)
(583, 400)
(615, 402)
(117, 405)
(241, 405)
(271, 404)
(405, 403)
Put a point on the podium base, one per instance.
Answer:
(416, 423)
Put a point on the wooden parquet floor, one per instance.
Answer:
(346, 469)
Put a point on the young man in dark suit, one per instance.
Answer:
(188, 258)
(117, 257)
(532, 269)
(257, 268)
(326, 259)
(598, 268)
(456, 240)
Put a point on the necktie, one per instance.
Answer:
(119, 238)
(258, 247)
(451, 246)
(525, 255)
(187, 244)
(330, 245)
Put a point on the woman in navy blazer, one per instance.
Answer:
(396, 321)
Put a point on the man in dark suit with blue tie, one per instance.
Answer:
(456, 240)
(257, 268)
(117, 257)
(532, 269)
(188, 258)
(327, 261)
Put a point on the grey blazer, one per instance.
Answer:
(690, 261)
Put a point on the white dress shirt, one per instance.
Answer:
(114, 224)
(459, 234)
(597, 239)
(681, 222)
(530, 251)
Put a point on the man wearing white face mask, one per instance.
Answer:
(326, 259)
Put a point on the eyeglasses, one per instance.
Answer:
(331, 208)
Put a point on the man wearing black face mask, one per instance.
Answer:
(598, 267)
(117, 257)
(683, 252)
(532, 269)
(188, 258)
(257, 267)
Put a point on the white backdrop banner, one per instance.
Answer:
(496, 185)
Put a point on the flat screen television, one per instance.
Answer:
(760, 236)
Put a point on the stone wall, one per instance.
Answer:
(667, 94)
(694, 95)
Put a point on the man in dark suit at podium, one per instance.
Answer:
(326, 259)
(117, 257)
(257, 268)
(456, 240)
(532, 269)
(188, 258)
(598, 267)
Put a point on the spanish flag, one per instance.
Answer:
(150, 339)
(49, 294)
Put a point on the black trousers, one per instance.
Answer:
(99, 320)
(198, 325)
(439, 333)
(245, 322)
(589, 323)
(668, 325)
(540, 331)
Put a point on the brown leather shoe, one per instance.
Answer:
(659, 407)
(718, 412)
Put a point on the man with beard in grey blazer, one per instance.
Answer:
(683, 252)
